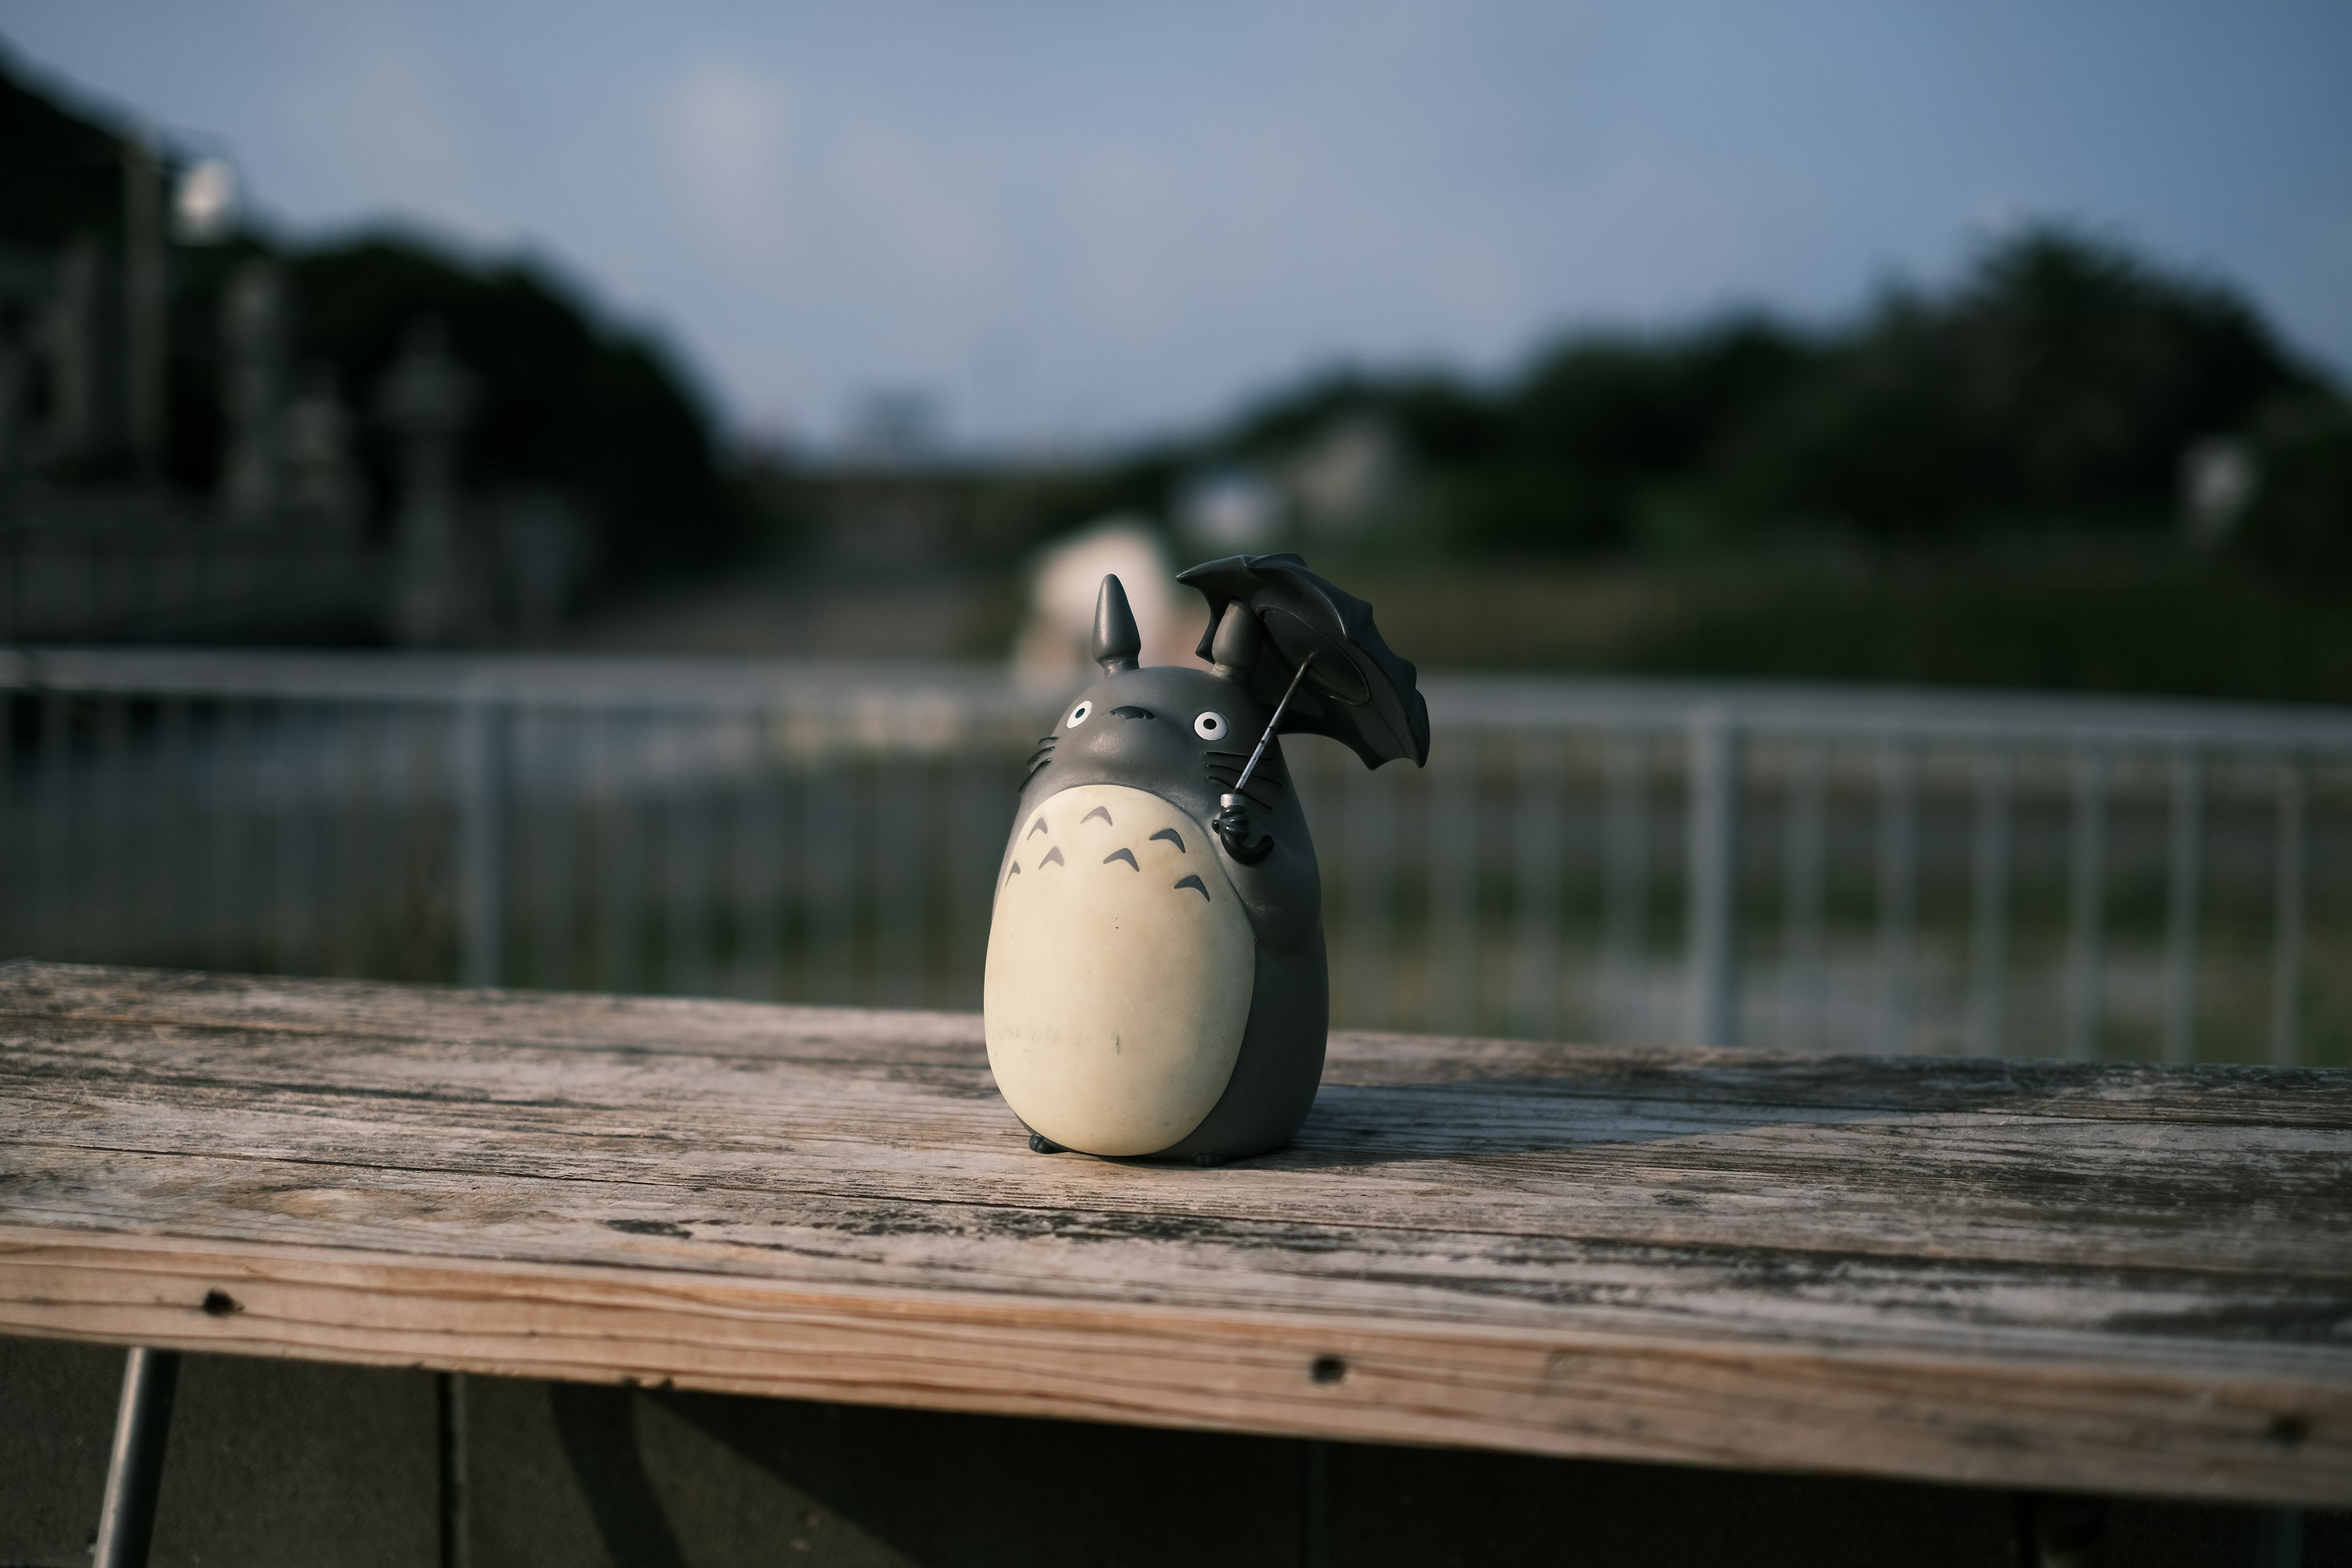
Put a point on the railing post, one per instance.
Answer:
(1898, 892)
(1371, 883)
(481, 840)
(1804, 874)
(2286, 949)
(14, 872)
(1540, 825)
(1712, 932)
(2184, 887)
(1453, 878)
(2087, 896)
(1625, 889)
(1989, 908)
(52, 904)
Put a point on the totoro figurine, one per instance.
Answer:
(1156, 983)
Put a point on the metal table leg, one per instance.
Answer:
(456, 1529)
(134, 1472)
(2058, 1531)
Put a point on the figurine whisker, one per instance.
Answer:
(1270, 771)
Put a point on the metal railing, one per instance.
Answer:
(1846, 868)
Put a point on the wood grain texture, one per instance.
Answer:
(2103, 1277)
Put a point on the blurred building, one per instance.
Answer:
(174, 467)
(96, 544)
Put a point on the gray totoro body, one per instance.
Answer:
(1156, 982)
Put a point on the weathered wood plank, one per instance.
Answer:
(457, 1016)
(2059, 1423)
(661, 1025)
(1747, 1293)
(2052, 1422)
(1481, 1157)
(2131, 1279)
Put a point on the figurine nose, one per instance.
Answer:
(1130, 713)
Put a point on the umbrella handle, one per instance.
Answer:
(1263, 740)
(1232, 827)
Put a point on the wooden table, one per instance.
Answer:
(2109, 1278)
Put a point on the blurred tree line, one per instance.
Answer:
(566, 401)
(2060, 388)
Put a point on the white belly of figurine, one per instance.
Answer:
(1121, 965)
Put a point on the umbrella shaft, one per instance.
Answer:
(1267, 739)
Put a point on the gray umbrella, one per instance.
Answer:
(1355, 689)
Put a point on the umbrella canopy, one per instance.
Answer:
(1356, 690)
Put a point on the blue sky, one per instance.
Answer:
(1078, 222)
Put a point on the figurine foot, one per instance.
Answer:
(1040, 1143)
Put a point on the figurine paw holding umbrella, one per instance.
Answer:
(1156, 984)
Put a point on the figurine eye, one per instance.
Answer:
(1209, 726)
(1080, 714)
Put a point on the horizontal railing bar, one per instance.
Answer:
(1882, 714)
(894, 699)
(590, 681)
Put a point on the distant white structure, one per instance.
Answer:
(1231, 507)
(2219, 478)
(204, 204)
(1050, 654)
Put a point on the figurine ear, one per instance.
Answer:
(1233, 651)
(1116, 641)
